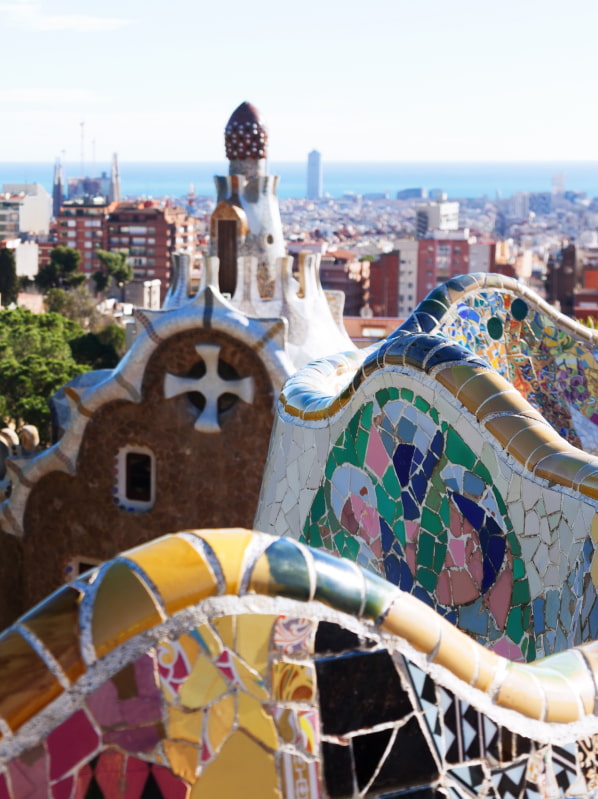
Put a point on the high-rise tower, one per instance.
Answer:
(57, 188)
(114, 194)
(315, 183)
(247, 217)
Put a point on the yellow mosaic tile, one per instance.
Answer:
(409, 618)
(562, 701)
(179, 572)
(454, 378)
(203, 685)
(225, 627)
(456, 652)
(56, 624)
(508, 401)
(204, 636)
(123, 608)
(256, 721)
(524, 443)
(562, 468)
(229, 547)
(182, 759)
(292, 682)
(250, 680)
(252, 640)
(185, 725)
(588, 485)
(572, 666)
(521, 692)
(220, 718)
(242, 769)
(27, 685)
(261, 581)
(549, 448)
(487, 665)
(504, 428)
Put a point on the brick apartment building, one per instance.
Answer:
(148, 231)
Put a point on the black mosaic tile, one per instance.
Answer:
(333, 638)
(359, 690)
(408, 764)
(338, 769)
(368, 751)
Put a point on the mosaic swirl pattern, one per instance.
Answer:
(546, 356)
(229, 663)
(418, 460)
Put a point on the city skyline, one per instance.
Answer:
(385, 82)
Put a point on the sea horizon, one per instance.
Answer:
(458, 179)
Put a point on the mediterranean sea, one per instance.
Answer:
(457, 180)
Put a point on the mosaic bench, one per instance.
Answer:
(230, 663)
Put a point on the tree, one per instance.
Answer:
(114, 267)
(9, 283)
(79, 306)
(101, 350)
(63, 270)
(35, 361)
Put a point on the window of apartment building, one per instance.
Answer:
(135, 478)
(92, 223)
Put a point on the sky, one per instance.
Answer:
(380, 80)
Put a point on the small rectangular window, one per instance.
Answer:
(139, 477)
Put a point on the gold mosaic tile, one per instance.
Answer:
(230, 551)
(182, 759)
(184, 724)
(220, 718)
(454, 378)
(179, 572)
(203, 685)
(242, 769)
(292, 682)
(225, 627)
(256, 721)
(527, 441)
(253, 638)
(56, 624)
(411, 619)
(456, 652)
(123, 608)
(27, 684)
(504, 428)
(508, 401)
(520, 691)
(209, 640)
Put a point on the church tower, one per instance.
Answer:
(246, 221)
(57, 188)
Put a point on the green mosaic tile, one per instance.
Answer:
(514, 625)
(339, 540)
(407, 394)
(500, 501)
(434, 415)
(318, 506)
(398, 527)
(439, 556)
(391, 482)
(482, 472)
(518, 568)
(366, 415)
(445, 512)
(382, 396)
(425, 548)
(527, 612)
(351, 548)
(421, 404)
(520, 593)
(457, 450)
(361, 444)
(427, 578)
(433, 499)
(387, 506)
(431, 521)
